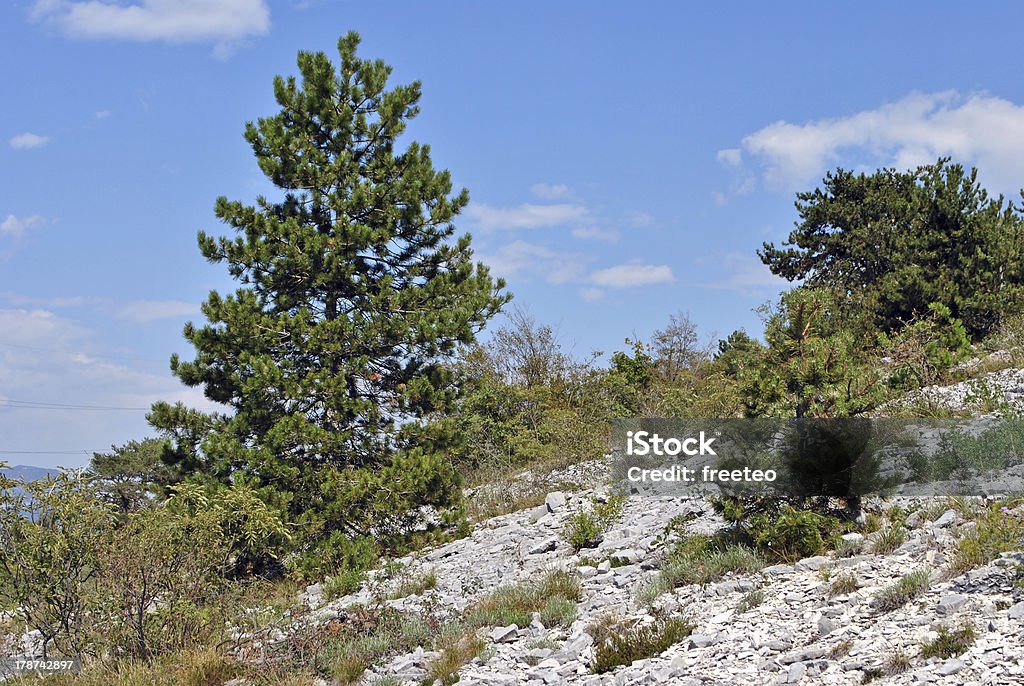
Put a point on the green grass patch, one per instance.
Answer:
(889, 539)
(620, 645)
(950, 642)
(910, 586)
(998, 529)
(414, 585)
(750, 600)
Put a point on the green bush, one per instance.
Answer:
(792, 534)
(51, 533)
(584, 527)
(146, 582)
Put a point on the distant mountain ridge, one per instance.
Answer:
(27, 472)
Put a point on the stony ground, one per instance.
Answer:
(798, 634)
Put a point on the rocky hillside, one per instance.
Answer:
(832, 619)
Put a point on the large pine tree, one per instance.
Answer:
(355, 292)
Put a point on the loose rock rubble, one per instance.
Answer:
(797, 634)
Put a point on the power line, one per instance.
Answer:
(72, 352)
(47, 452)
(33, 405)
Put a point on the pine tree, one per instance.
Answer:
(892, 243)
(334, 353)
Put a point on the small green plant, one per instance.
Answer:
(889, 539)
(557, 611)
(750, 600)
(904, 590)
(949, 643)
(343, 582)
(843, 584)
(872, 523)
(998, 529)
(414, 585)
(584, 527)
(623, 645)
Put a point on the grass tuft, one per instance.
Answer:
(622, 645)
(900, 593)
(949, 643)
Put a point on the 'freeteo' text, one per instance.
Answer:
(646, 443)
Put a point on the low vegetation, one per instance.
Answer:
(843, 584)
(903, 591)
(620, 644)
(750, 600)
(888, 540)
(998, 529)
(950, 642)
(584, 527)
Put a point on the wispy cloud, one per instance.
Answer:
(151, 310)
(175, 21)
(592, 233)
(553, 266)
(746, 275)
(48, 358)
(547, 191)
(16, 227)
(632, 274)
(640, 220)
(525, 216)
(980, 129)
(732, 157)
(26, 141)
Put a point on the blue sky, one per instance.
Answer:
(624, 161)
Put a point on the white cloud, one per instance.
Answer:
(151, 310)
(17, 226)
(175, 21)
(523, 257)
(640, 220)
(546, 191)
(26, 141)
(732, 157)
(596, 234)
(980, 130)
(591, 294)
(747, 275)
(632, 274)
(525, 216)
(719, 198)
(102, 114)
